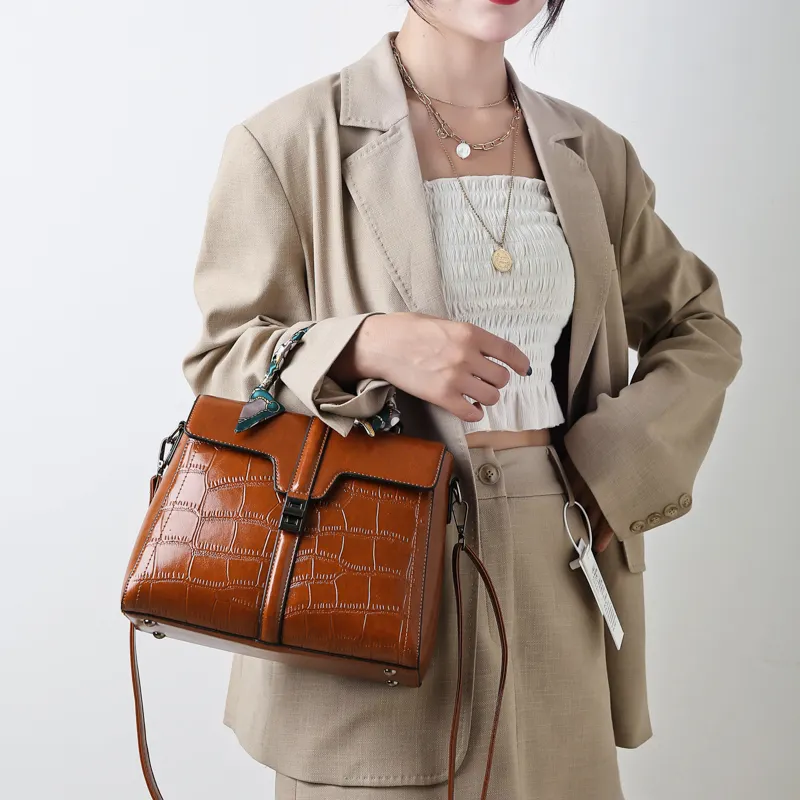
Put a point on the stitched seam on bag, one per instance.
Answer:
(286, 588)
(258, 644)
(261, 605)
(299, 458)
(425, 560)
(228, 483)
(278, 539)
(252, 517)
(350, 606)
(377, 478)
(424, 573)
(356, 567)
(179, 577)
(185, 475)
(324, 642)
(411, 566)
(276, 478)
(209, 550)
(369, 533)
(155, 519)
(325, 436)
(229, 446)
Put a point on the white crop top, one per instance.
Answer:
(529, 305)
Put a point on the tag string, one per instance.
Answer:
(588, 524)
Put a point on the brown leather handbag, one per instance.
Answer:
(271, 535)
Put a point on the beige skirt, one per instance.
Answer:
(555, 739)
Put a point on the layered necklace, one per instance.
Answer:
(501, 258)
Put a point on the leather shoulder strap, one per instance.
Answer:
(141, 730)
(484, 574)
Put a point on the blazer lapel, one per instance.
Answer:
(385, 181)
(580, 212)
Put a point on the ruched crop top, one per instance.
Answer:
(528, 305)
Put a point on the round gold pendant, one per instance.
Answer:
(501, 260)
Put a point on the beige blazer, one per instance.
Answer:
(318, 213)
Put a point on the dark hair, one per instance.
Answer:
(554, 8)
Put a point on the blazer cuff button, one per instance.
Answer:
(638, 526)
(685, 500)
(672, 510)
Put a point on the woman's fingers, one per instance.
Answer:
(490, 371)
(503, 350)
(441, 361)
(485, 393)
(463, 409)
(603, 536)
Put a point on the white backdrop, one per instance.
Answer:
(113, 117)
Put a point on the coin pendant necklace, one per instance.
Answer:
(502, 260)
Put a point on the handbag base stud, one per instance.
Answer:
(151, 623)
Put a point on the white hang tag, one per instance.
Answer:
(588, 565)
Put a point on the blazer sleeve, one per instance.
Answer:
(250, 286)
(639, 452)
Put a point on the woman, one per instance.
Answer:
(488, 254)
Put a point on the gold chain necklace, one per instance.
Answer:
(444, 131)
(502, 260)
(458, 105)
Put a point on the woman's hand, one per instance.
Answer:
(437, 360)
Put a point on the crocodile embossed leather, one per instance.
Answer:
(288, 541)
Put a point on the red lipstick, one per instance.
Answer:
(505, 2)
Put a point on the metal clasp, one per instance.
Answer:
(170, 442)
(457, 499)
(293, 514)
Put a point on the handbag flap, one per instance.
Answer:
(386, 457)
